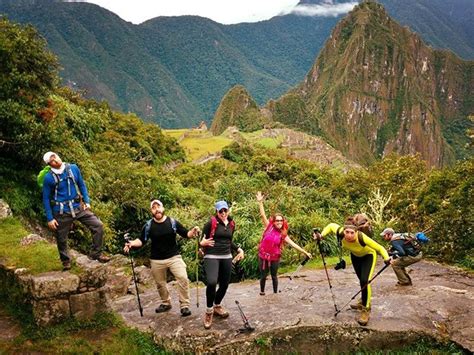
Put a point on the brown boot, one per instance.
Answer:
(364, 316)
(208, 319)
(358, 306)
(220, 311)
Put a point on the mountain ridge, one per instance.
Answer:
(268, 57)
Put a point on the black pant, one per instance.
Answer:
(364, 266)
(264, 268)
(217, 271)
(87, 218)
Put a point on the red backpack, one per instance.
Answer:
(271, 245)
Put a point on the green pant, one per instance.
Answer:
(399, 265)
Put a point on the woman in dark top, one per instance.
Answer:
(218, 246)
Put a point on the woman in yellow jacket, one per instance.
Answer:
(363, 256)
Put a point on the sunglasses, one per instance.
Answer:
(223, 210)
(278, 220)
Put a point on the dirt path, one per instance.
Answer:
(9, 328)
(439, 305)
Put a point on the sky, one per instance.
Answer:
(222, 11)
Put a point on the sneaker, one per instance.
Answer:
(208, 320)
(66, 265)
(262, 293)
(220, 311)
(185, 312)
(163, 308)
(364, 316)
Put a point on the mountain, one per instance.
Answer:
(377, 88)
(237, 108)
(174, 70)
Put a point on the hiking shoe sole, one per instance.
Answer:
(163, 308)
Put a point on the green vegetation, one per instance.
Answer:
(81, 337)
(424, 346)
(38, 257)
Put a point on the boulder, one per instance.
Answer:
(86, 305)
(31, 239)
(5, 210)
(47, 312)
(53, 284)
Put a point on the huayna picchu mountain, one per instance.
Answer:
(376, 88)
(237, 108)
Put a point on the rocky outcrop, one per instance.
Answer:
(301, 318)
(376, 88)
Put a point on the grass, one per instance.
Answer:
(175, 133)
(267, 142)
(105, 334)
(37, 258)
(198, 144)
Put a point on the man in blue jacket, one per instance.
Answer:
(408, 254)
(66, 200)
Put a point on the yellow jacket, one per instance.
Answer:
(371, 246)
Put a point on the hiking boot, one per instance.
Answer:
(358, 306)
(404, 283)
(185, 312)
(364, 316)
(66, 265)
(163, 308)
(220, 311)
(208, 320)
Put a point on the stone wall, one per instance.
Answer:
(56, 296)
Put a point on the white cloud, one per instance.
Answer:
(326, 9)
(223, 11)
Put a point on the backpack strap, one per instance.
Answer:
(147, 229)
(57, 180)
(360, 237)
(173, 224)
(213, 227)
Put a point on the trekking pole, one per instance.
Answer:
(127, 239)
(362, 288)
(294, 272)
(299, 267)
(247, 327)
(197, 269)
(327, 275)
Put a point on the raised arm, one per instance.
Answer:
(296, 246)
(260, 198)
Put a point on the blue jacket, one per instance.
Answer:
(49, 187)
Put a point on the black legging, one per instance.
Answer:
(364, 267)
(273, 268)
(217, 271)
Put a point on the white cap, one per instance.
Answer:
(156, 201)
(47, 156)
